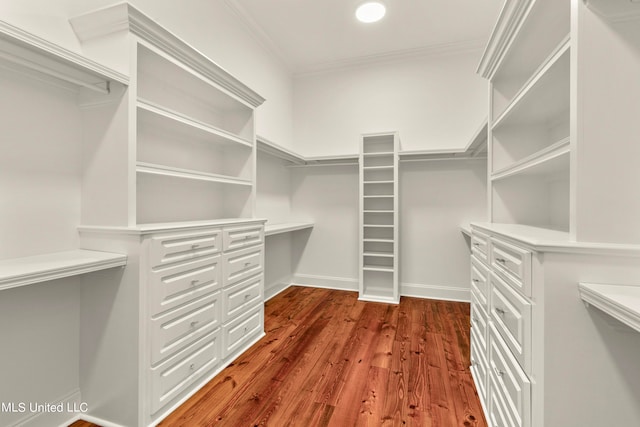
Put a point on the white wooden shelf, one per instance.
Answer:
(155, 169)
(156, 115)
(31, 54)
(268, 147)
(378, 211)
(378, 240)
(539, 99)
(41, 268)
(377, 225)
(378, 197)
(287, 227)
(377, 167)
(379, 254)
(621, 302)
(377, 182)
(549, 161)
(377, 268)
(380, 154)
(466, 229)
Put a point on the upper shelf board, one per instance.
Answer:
(41, 268)
(271, 229)
(621, 302)
(29, 53)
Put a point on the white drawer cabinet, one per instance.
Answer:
(167, 249)
(510, 312)
(205, 295)
(480, 246)
(479, 365)
(513, 264)
(242, 237)
(241, 330)
(178, 328)
(239, 297)
(179, 372)
(241, 264)
(177, 284)
(509, 380)
(480, 282)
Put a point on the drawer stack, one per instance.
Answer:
(243, 288)
(501, 290)
(205, 302)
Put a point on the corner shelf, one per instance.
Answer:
(621, 302)
(155, 169)
(41, 268)
(287, 227)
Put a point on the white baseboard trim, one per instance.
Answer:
(446, 293)
(325, 282)
(59, 412)
(98, 421)
(275, 289)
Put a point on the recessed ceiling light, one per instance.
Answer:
(372, 11)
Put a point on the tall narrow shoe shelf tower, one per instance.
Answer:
(379, 217)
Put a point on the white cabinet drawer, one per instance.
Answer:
(513, 264)
(180, 283)
(498, 415)
(479, 323)
(511, 382)
(242, 237)
(479, 367)
(180, 327)
(242, 264)
(480, 282)
(237, 333)
(511, 314)
(167, 249)
(480, 246)
(176, 375)
(238, 298)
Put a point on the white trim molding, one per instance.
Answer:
(326, 282)
(125, 17)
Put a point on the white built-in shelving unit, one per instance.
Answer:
(622, 302)
(379, 228)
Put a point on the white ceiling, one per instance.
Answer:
(310, 35)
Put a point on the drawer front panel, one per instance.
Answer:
(513, 264)
(164, 250)
(180, 283)
(242, 264)
(240, 331)
(511, 314)
(177, 374)
(242, 237)
(177, 329)
(238, 298)
(480, 282)
(480, 246)
(479, 323)
(498, 415)
(511, 382)
(479, 367)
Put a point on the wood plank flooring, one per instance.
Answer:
(331, 360)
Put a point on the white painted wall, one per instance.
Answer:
(273, 202)
(436, 197)
(328, 196)
(209, 25)
(434, 102)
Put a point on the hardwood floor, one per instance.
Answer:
(331, 360)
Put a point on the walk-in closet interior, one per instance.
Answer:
(172, 174)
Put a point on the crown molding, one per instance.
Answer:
(424, 52)
(509, 22)
(125, 17)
